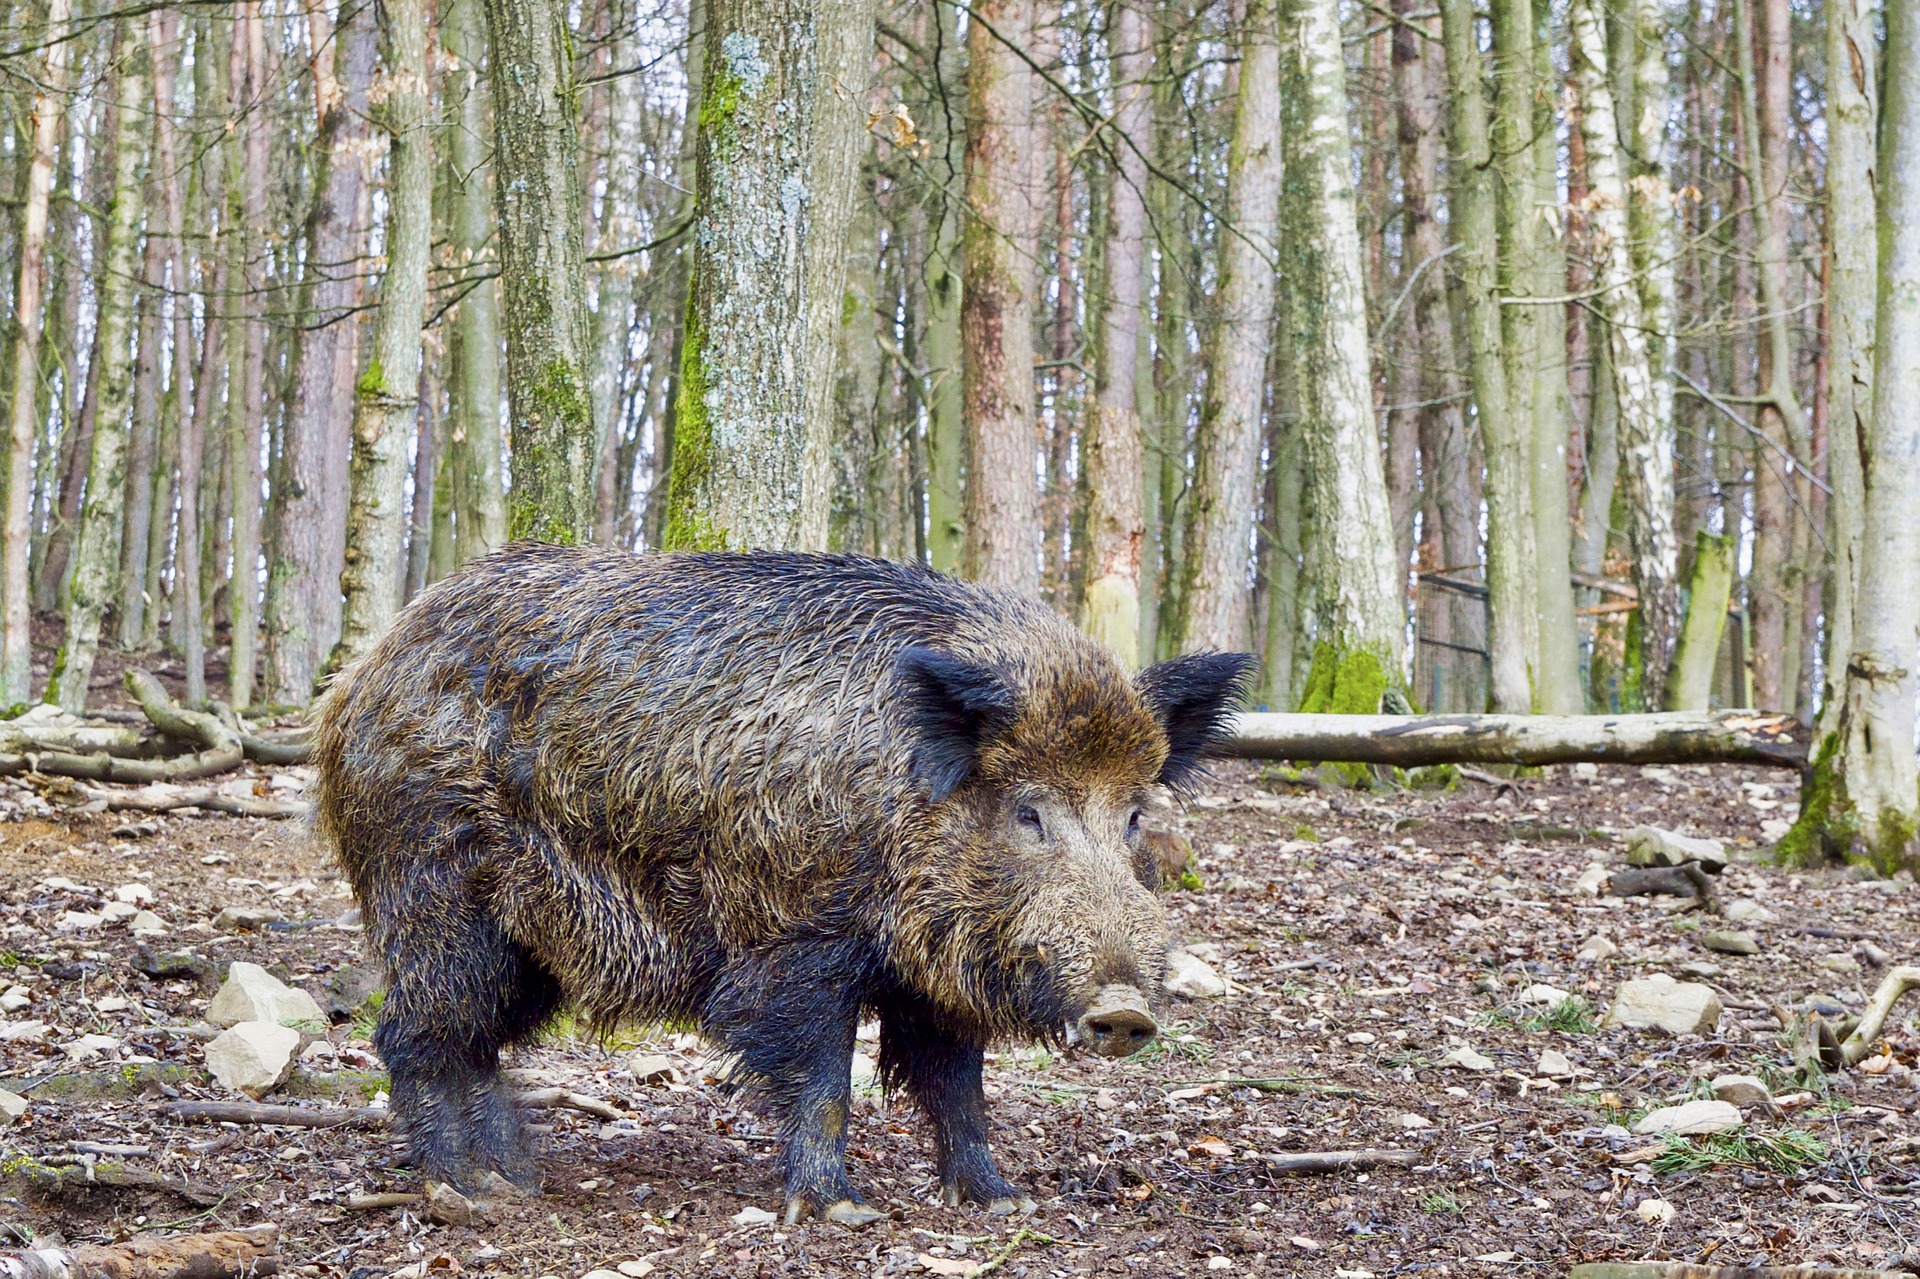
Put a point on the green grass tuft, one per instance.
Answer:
(1787, 1151)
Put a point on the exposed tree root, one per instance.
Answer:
(214, 1255)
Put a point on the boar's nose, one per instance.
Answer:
(1117, 1024)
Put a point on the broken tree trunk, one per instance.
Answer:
(212, 1255)
(1409, 741)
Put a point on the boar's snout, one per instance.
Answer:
(1117, 1023)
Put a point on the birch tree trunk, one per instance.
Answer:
(1359, 590)
(1863, 797)
(619, 229)
(16, 531)
(1646, 438)
(96, 551)
(1116, 456)
(780, 133)
(386, 400)
(480, 517)
(247, 410)
(1513, 638)
(997, 293)
(1853, 110)
(303, 581)
(542, 270)
(1227, 464)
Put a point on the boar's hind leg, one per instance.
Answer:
(461, 990)
(942, 1071)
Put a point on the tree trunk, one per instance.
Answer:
(1358, 590)
(780, 133)
(1863, 797)
(1707, 593)
(303, 580)
(143, 443)
(1646, 439)
(1557, 686)
(386, 400)
(542, 270)
(1116, 456)
(1413, 741)
(16, 530)
(1853, 109)
(480, 512)
(96, 549)
(248, 408)
(1513, 638)
(1214, 600)
(427, 458)
(996, 329)
(619, 230)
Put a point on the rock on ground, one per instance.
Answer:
(253, 1056)
(1677, 1007)
(1192, 977)
(1695, 1117)
(251, 993)
(1742, 1090)
(1652, 846)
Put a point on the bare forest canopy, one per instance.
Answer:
(1556, 357)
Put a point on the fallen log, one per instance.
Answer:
(220, 749)
(257, 1112)
(1412, 741)
(1686, 880)
(152, 799)
(213, 1255)
(1341, 1161)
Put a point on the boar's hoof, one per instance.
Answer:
(1010, 1207)
(1118, 1023)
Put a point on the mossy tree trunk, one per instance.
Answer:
(1708, 589)
(1646, 436)
(1115, 450)
(143, 449)
(480, 501)
(16, 521)
(536, 157)
(780, 132)
(997, 295)
(302, 612)
(386, 400)
(1513, 638)
(96, 550)
(1863, 798)
(1357, 589)
(1214, 601)
(1853, 109)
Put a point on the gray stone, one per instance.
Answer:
(1596, 949)
(1692, 1118)
(1652, 846)
(253, 1056)
(1745, 910)
(1467, 1059)
(146, 924)
(1554, 1064)
(1679, 1008)
(1192, 977)
(752, 1216)
(1741, 1090)
(1729, 941)
(1838, 962)
(245, 919)
(653, 1068)
(448, 1206)
(12, 1106)
(1543, 996)
(251, 993)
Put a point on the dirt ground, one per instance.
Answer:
(1365, 936)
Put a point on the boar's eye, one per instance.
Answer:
(1029, 816)
(1133, 826)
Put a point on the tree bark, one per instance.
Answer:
(386, 401)
(1646, 438)
(1412, 741)
(1853, 109)
(1215, 598)
(16, 531)
(96, 549)
(542, 270)
(303, 581)
(997, 292)
(480, 508)
(247, 410)
(780, 133)
(1358, 590)
(1513, 638)
(143, 444)
(619, 230)
(1863, 798)
(1699, 645)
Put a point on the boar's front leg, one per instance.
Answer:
(792, 1018)
(941, 1067)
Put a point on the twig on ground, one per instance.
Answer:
(1341, 1160)
(256, 1112)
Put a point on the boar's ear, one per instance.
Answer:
(952, 706)
(1194, 697)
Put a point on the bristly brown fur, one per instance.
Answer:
(648, 787)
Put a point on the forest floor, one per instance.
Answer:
(1365, 937)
